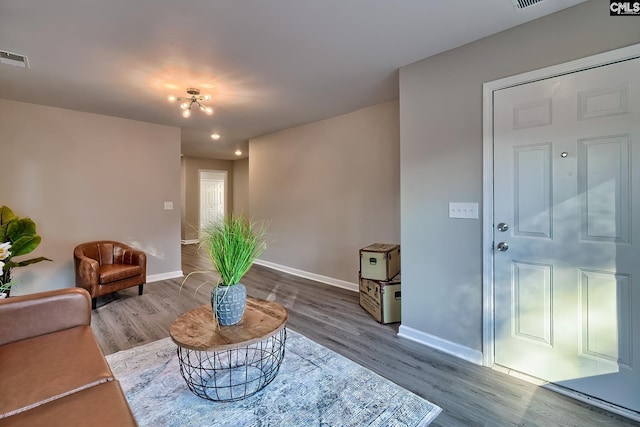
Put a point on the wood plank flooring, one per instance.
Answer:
(470, 395)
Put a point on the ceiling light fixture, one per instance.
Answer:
(215, 136)
(194, 98)
(238, 152)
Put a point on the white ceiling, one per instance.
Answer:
(269, 64)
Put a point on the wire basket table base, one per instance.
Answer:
(234, 374)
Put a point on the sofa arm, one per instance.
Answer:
(41, 313)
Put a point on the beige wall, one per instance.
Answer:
(84, 177)
(441, 157)
(191, 191)
(328, 189)
(241, 187)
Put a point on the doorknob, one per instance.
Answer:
(503, 226)
(502, 247)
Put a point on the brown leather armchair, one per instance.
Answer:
(105, 266)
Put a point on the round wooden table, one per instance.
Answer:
(227, 363)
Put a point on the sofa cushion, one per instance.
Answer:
(44, 368)
(97, 406)
(113, 272)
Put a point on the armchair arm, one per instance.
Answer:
(87, 273)
(135, 257)
(28, 316)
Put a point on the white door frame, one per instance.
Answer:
(488, 338)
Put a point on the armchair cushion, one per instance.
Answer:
(113, 272)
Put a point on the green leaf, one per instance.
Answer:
(6, 215)
(12, 264)
(3, 233)
(5, 286)
(24, 245)
(24, 227)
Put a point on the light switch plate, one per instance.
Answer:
(463, 210)
(168, 206)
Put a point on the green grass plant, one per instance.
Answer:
(232, 246)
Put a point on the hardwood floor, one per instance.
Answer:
(469, 395)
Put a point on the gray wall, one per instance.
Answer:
(441, 157)
(328, 189)
(191, 191)
(241, 186)
(84, 177)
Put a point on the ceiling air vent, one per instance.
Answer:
(521, 4)
(14, 59)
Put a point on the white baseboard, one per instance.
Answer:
(164, 276)
(449, 347)
(189, 241)
(311, 276)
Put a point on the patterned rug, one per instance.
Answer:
(315, 387)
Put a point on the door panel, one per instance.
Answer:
(532, 302)
(567, 182)
(603, 182)
(533, 209)
(605, 337)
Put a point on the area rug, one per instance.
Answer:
(315, 387)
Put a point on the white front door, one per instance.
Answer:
(212, 197)
(567, 231)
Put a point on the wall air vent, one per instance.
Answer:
(14, 59)
(522, 4)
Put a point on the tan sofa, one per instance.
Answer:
(52, 371)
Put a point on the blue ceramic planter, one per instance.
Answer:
(228, 303)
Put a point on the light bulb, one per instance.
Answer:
(207, 97)
(172, 98)
(238, 153)
(215, 136)
(208, 110)
(201, 107)
(186, 113)
(184, 105)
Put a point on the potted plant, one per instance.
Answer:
(17, 237)
(232, 246)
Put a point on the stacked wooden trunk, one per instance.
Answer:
(380, 281)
